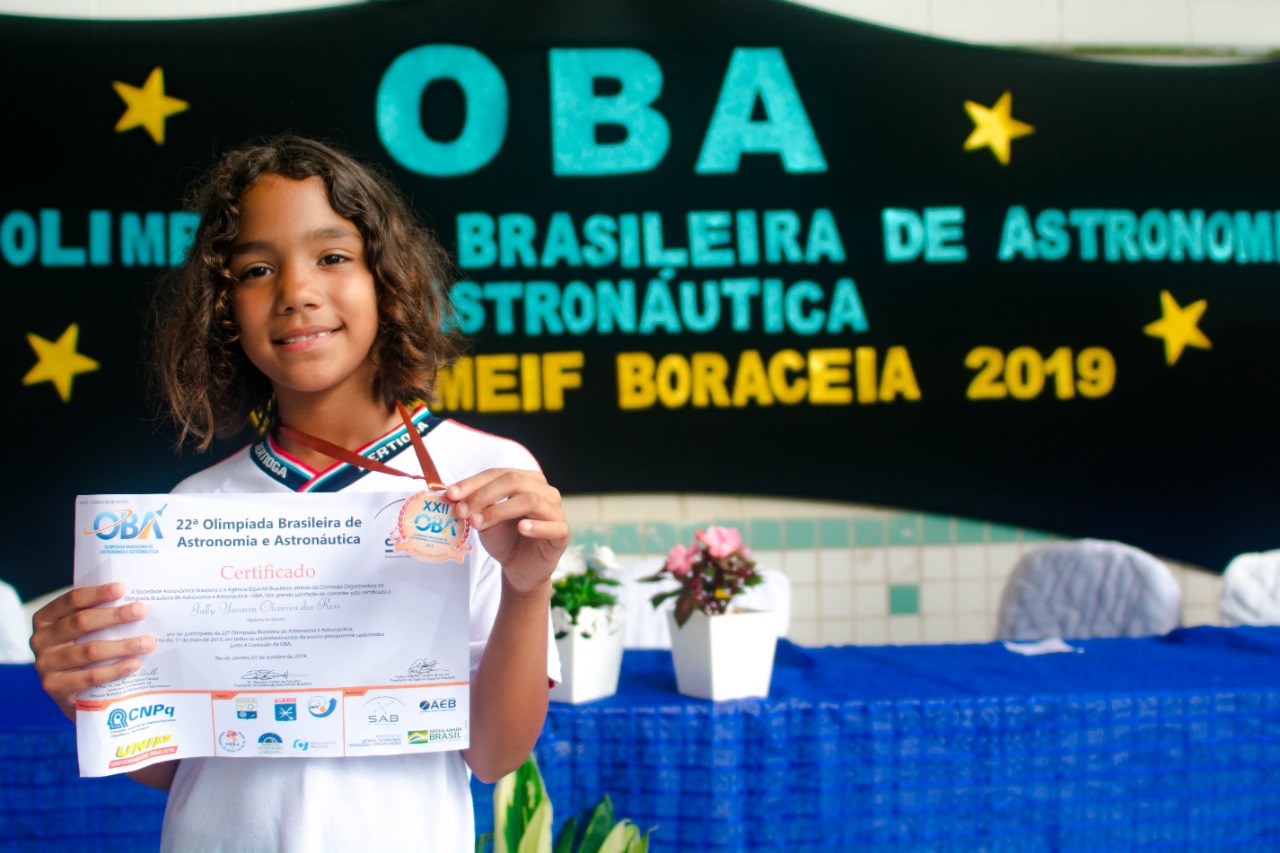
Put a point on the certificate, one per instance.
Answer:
(286, 626)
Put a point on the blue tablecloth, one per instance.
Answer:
(1169, 742)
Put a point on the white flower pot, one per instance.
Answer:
(728, 656)
(589, 667)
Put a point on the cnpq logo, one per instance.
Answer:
(126, 524)
(120, 719)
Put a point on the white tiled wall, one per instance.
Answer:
(931, 580)
(1232, 25)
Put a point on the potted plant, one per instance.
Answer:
(522, 814)
(588, 621)
(720, 651)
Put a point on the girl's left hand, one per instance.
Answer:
(520, 520)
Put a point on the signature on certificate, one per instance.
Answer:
(263, 675)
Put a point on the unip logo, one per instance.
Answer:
(144, 746)
(125, 524)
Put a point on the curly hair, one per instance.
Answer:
(196, 363)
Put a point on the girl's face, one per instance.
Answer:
(304, 298)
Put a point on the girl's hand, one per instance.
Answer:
(67, 667)
(520, 520)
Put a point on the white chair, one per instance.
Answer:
(1088, 588)
(1251, 590)
(646, 627)
(15, 628)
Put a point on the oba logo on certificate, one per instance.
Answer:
(319, 706)
(125, 524)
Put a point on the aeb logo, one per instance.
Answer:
(125, 524)
(120, 719)
(427, 705)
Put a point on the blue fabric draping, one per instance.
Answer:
(1156, 743)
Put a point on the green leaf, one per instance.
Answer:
(684, 609)
(620, 837)
(598, 827)
(663, 596)
(564, 844)
(530, 792)
(537, 835)
(505, 829)
(516, 797)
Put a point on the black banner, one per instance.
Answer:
(738, 247)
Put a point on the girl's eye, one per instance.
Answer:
(329, 260)
(257, 271)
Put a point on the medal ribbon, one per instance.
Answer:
(429, 473)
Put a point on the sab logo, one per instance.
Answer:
(383, 710)
(109, 524)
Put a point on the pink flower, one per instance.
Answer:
(680, 560)
(721, 541)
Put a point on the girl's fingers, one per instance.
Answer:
(81, 622)
(75, 600)
(553, 530)
(503, 494)
(70, 657)
(531, 505)
(63, 686)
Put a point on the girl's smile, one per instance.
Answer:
(307, 338)
(304, 297)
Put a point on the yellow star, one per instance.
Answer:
(58, 361)
(995, 127)
(1178, 327)
(148, 106)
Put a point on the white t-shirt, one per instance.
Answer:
(377, 803)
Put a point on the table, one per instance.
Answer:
(1169, 742)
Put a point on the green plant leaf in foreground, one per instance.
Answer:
(537, 835)
(568, 833)
(522, 819)
(598, 826)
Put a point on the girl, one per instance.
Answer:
(311, 299)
